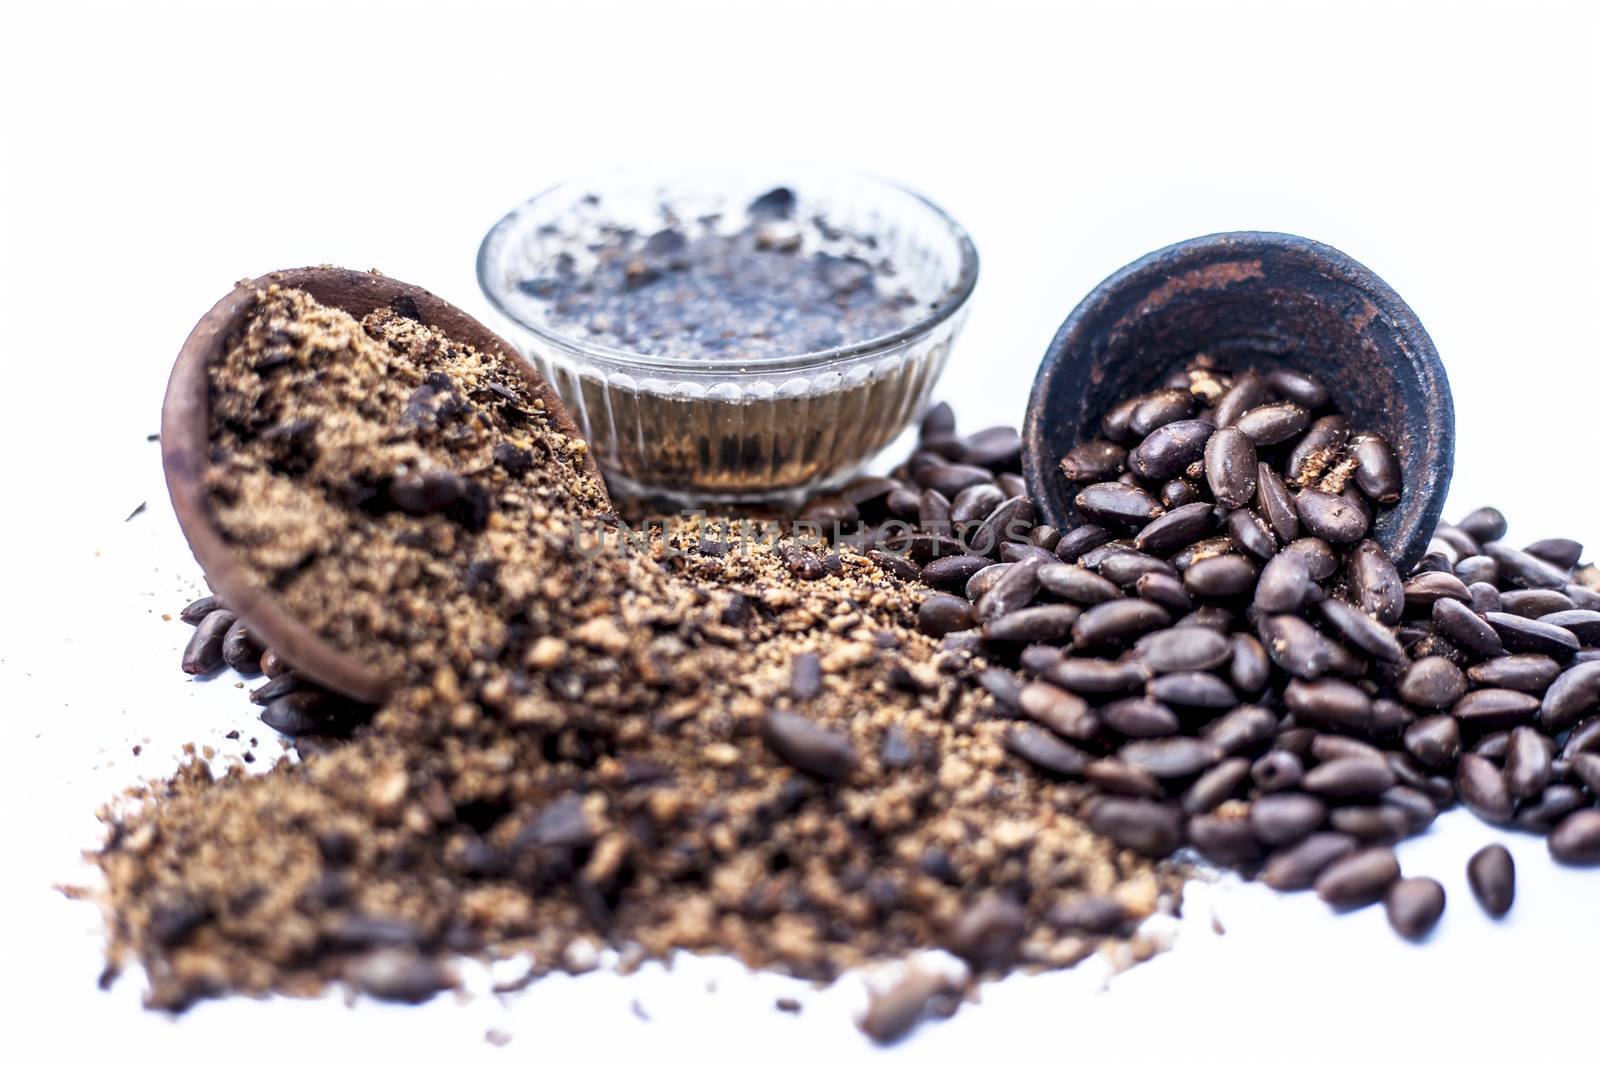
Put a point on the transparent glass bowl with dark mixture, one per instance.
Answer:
(752, 334)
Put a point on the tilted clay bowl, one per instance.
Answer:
(1253, 299)
(185, 450)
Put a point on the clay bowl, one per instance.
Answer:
(185, 448)
(1251, 299)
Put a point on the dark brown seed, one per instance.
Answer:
(1043, 622)
(1531, 635)
(1124, 779)
(1540, 816)
(1320, 558)
(1249, 390)
(1495, 709)
(953, 572)
(1558, 551)
(1527, 769)
(805, 676)
(1241, 729)
(1375, 583)
(1493, 878)
(1231, 467)
(1075, 542)
(1576, 839)
(1188, 648)
(975, 503)
(1163, 590)
(1210, 617)
(1223, 838)
(1485, 598)
(1432, 682)
(1482, 789)
(284, 684)
(1126, 568)
(303, 711)
(1434, 741)
(933, 510)
(1474, 569)
(1524, 571)
(1145, 826)
(1275, 504)
(1277, 770)
(895, 564)
(806, 746)
(998, 446)
(204, 651)
(1171, 757)
(1096, 556)
(831, 514)
(1140, 717)
(1098, 676)
(943, 613)
(1302, 389)
(980, 583)
(1118, 621)
(1361, 630)
(1580, 623)
(1422, 591)
(987, 932)
(1192, 689)
(1057, 709)
(1414, 805)
(240, 650)
(1046, 752)
(1248, 666)
(1215, 785)
(1534, 603)
(1571, 696)
(1037, 659)
(1358, 879)
(1160, 408)
(199, 609)
(1178, 492)
(1045, 537)
(1530, 674)
(1377, 471)
(938, 421)
(892, 1012)
(1390, 718)
(1011, 552)
(1285, 584)
(950, 478)
(1177, 528)
(1328, 703)
(1585, 737)
(1251, 534)
(1585, 768)
(1330, 516)
(1011, 484)
(1347, 778)
(1457, 622)
(1001, 684)
(1284, 818)
(1271, 424)
(1327, 747)
(1113, 502)
(1370, 823)
(1298, 866)
(1014, 589)
(1009, 521)
(1220, 576)
(1312, 453)
(273, 664)
(1170, 449)
(1484, 525)
(1077, 584)
(1295, 646)
(1414, 906)
(868, 489)
(1116, 423)
(1094, 461)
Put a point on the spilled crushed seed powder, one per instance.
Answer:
(700, 746)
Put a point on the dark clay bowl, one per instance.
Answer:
(1251, 299)
(185, 451)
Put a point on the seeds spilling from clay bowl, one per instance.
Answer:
(709, 738)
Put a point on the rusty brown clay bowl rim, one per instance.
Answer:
(186, 449)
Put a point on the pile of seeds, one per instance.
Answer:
(1226, 661)
(719, 742)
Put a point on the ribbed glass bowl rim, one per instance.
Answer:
(966, 281)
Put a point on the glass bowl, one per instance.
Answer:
(728, 426)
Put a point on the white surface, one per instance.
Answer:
(153, 154)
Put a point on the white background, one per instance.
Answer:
(153, 154)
